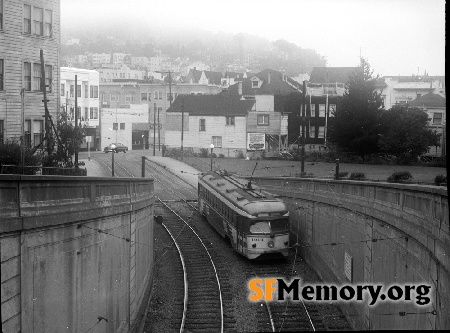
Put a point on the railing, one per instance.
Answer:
(40, 170)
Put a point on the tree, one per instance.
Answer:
(11, 158)
(406, 132)
(356, 126)
(68, 139)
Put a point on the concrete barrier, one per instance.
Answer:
(356, 232)
(76, 253)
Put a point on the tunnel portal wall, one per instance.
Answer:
(76, 253)
(354, 232)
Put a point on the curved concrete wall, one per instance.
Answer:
(382, 234)
(76, 253)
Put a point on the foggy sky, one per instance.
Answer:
(397, 37)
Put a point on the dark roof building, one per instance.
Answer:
(222, 104)
(429, 100)
(267, 82)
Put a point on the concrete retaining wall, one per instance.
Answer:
(367, 233)
(76, 253)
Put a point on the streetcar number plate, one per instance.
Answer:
(257, 239)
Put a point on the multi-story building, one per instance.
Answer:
(157, 97)
(108, 73)
(86, 92)
(99, 58)
(404, 89)
(251, 116)
(435, 106)
(155, 64)
(26, 29)
(118, 58)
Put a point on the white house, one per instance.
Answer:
(117, 124)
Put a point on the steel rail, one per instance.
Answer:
(212, 262)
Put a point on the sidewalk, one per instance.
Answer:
(182, 170)
(93, 168)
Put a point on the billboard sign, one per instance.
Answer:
(256, 141)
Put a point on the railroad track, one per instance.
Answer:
(285, 316)
(203, 301)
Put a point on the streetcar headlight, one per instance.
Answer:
(270, 244)
(253, 245)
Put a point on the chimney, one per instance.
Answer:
(240, 88)
(268, 77)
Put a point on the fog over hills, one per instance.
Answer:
(143, 37)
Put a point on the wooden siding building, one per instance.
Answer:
(26, 28)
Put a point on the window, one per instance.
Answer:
(158, 94)
(94, 92)
(86, 113)
(48, 23)
(144, 97)
(1, 16)
(38, 134)
(37, 77)
(115, 126)
(27, 129)
(38, 21)
(63, 89)
(217, 141)
(27, 76)
(27, 19)
(313, 110)
(437, 118)
(312, 132)
(321, 132)
(127, 98)
(263, 119)
(230, 120)
(122, 126)
(48, 77)
(254, 84)
(2, 73)
(94, 113)
(72, 90)
(202, 125)
(78, 90)
(114, 98)
(78, 113)
(2, 132)
(169, 96)
(86, 91)
(321, 110)
(332, 110)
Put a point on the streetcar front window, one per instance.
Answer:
(267, 227)
(260, 227)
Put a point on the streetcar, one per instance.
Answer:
(256, 222)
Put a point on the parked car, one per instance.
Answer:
(119, 147)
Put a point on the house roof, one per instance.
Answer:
(331, 74)
(213, 77)
(222, 104)
(276, 86)
(429, 100)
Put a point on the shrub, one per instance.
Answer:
(214, 155)
(440, 179)
(203, 152)
(342, 174)
(357, 176)
(239, 154)
(221, 155)
(399, 177)
(10, 154)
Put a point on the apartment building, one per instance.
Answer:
(404, 89)
(26, 28)
(86, 92)
(111, 72)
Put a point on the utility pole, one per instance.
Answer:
(154, 129)
(47, 115)
(76, 121)
(159, 136)
(182, 124)
(303, 129)
(22, 148)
